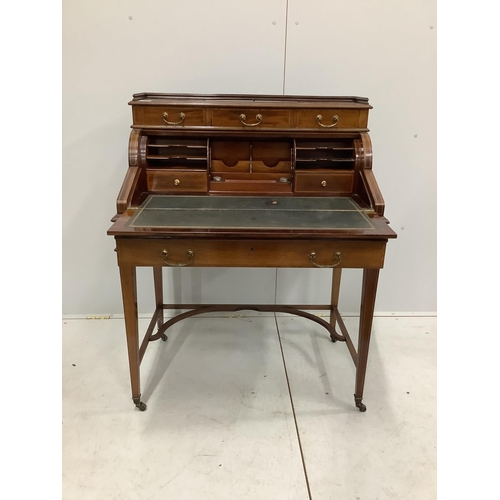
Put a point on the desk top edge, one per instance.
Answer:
(380, 231)
(262, 100)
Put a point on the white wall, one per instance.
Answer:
(382, 49)
(385, 50)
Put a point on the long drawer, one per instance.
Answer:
(178, 252)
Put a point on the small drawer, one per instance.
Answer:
(252, 118)
(331, 119)
(328, 182)
(170, 117)
(164, 181)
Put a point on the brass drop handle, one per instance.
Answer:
(189, 253)
(258, 117)
(323, 183)
(312, 258)
(335, 120)
(177, 182)
(182, 116)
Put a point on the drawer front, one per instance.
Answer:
(179, 252)
(171, 117)
(252, 118)
(331, 119)
(317, 182)
(165, 181)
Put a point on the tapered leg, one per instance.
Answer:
(337, 274)
(158, 283)
(368, 293)
(129, 295)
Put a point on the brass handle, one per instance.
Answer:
(257, 117)
(182, 116)
(323, 183)
(335, 120)
(189, 253)
(177, 182)
(312, 257)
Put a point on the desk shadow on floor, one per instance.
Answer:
(164, 356)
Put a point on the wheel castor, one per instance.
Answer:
(359, 404)
(142, 406)
(164, 337)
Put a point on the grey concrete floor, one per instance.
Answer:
(249, 407)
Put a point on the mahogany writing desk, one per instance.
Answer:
(249, 181)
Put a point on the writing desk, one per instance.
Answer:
(218, 193)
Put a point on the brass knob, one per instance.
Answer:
(177, 182)
(323, 183)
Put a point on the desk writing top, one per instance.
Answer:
(216, 215)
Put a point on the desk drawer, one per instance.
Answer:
(251, 118)
(331, 119)
(169, 117)
(165, 181)
(339, 183)
(180, 252)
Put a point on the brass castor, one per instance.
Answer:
(360, 405)
(164, 337)
(142, 406)
(139, 404)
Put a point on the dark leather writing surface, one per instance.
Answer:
(236, 212)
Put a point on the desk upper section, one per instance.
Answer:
(211, 113)
(250, 145)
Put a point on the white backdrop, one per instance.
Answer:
(381, 49)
